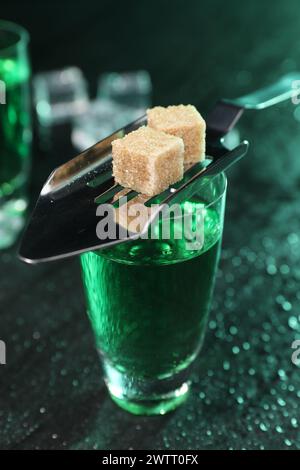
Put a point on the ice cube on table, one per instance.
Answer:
(102, 119)
(59, 95)
(133, 89)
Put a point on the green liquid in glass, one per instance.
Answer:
(148, 301)
(15, 121)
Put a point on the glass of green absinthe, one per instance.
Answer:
(15, 130)
(148, 301)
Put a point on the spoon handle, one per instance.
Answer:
(227, 112)
(286, 87)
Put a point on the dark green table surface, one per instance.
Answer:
(246, 390)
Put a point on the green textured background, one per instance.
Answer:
(247, 390)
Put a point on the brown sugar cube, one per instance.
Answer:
(181, 121)
(147, 161)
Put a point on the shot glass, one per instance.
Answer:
(15, 130)
(148, 302)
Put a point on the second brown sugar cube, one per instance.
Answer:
(182, 121)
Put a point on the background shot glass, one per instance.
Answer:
(15, 130)
(148, 302)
